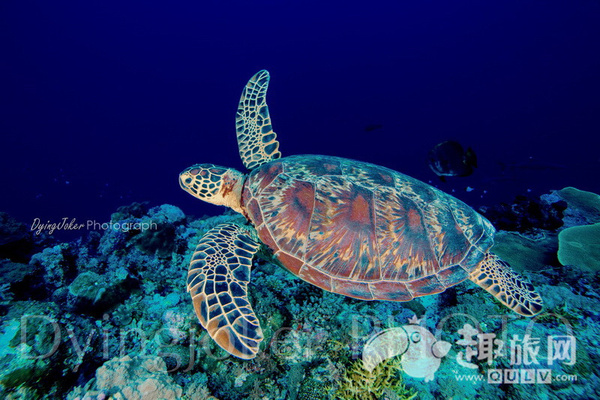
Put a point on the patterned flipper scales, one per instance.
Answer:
(511, 289)
(217, 281)
(256, 140)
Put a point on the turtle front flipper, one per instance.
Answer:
(514, 291)
(218, 283)
(256, 140)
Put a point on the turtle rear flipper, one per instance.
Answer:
(497, 278)
(217, 281)
(256, 140)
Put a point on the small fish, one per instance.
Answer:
(450, 159)
(373, 127)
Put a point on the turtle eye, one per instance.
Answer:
(188, 180)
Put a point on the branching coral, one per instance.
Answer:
(360, 384)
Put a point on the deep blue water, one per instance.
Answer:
(104, 103)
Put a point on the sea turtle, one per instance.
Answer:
(346, 226)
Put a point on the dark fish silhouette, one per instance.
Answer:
(373, 127)
(450, 159)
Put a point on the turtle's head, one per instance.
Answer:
(214, 184)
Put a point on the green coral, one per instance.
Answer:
(88, 285)
(313, 389)
(580, 246)
(30, 375)
(360, 384)
(525, 253)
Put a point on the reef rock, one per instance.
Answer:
(583, 208)
(526, 213)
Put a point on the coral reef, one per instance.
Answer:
(108, 316)
(359, 383)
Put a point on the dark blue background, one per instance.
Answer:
(104, 103)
